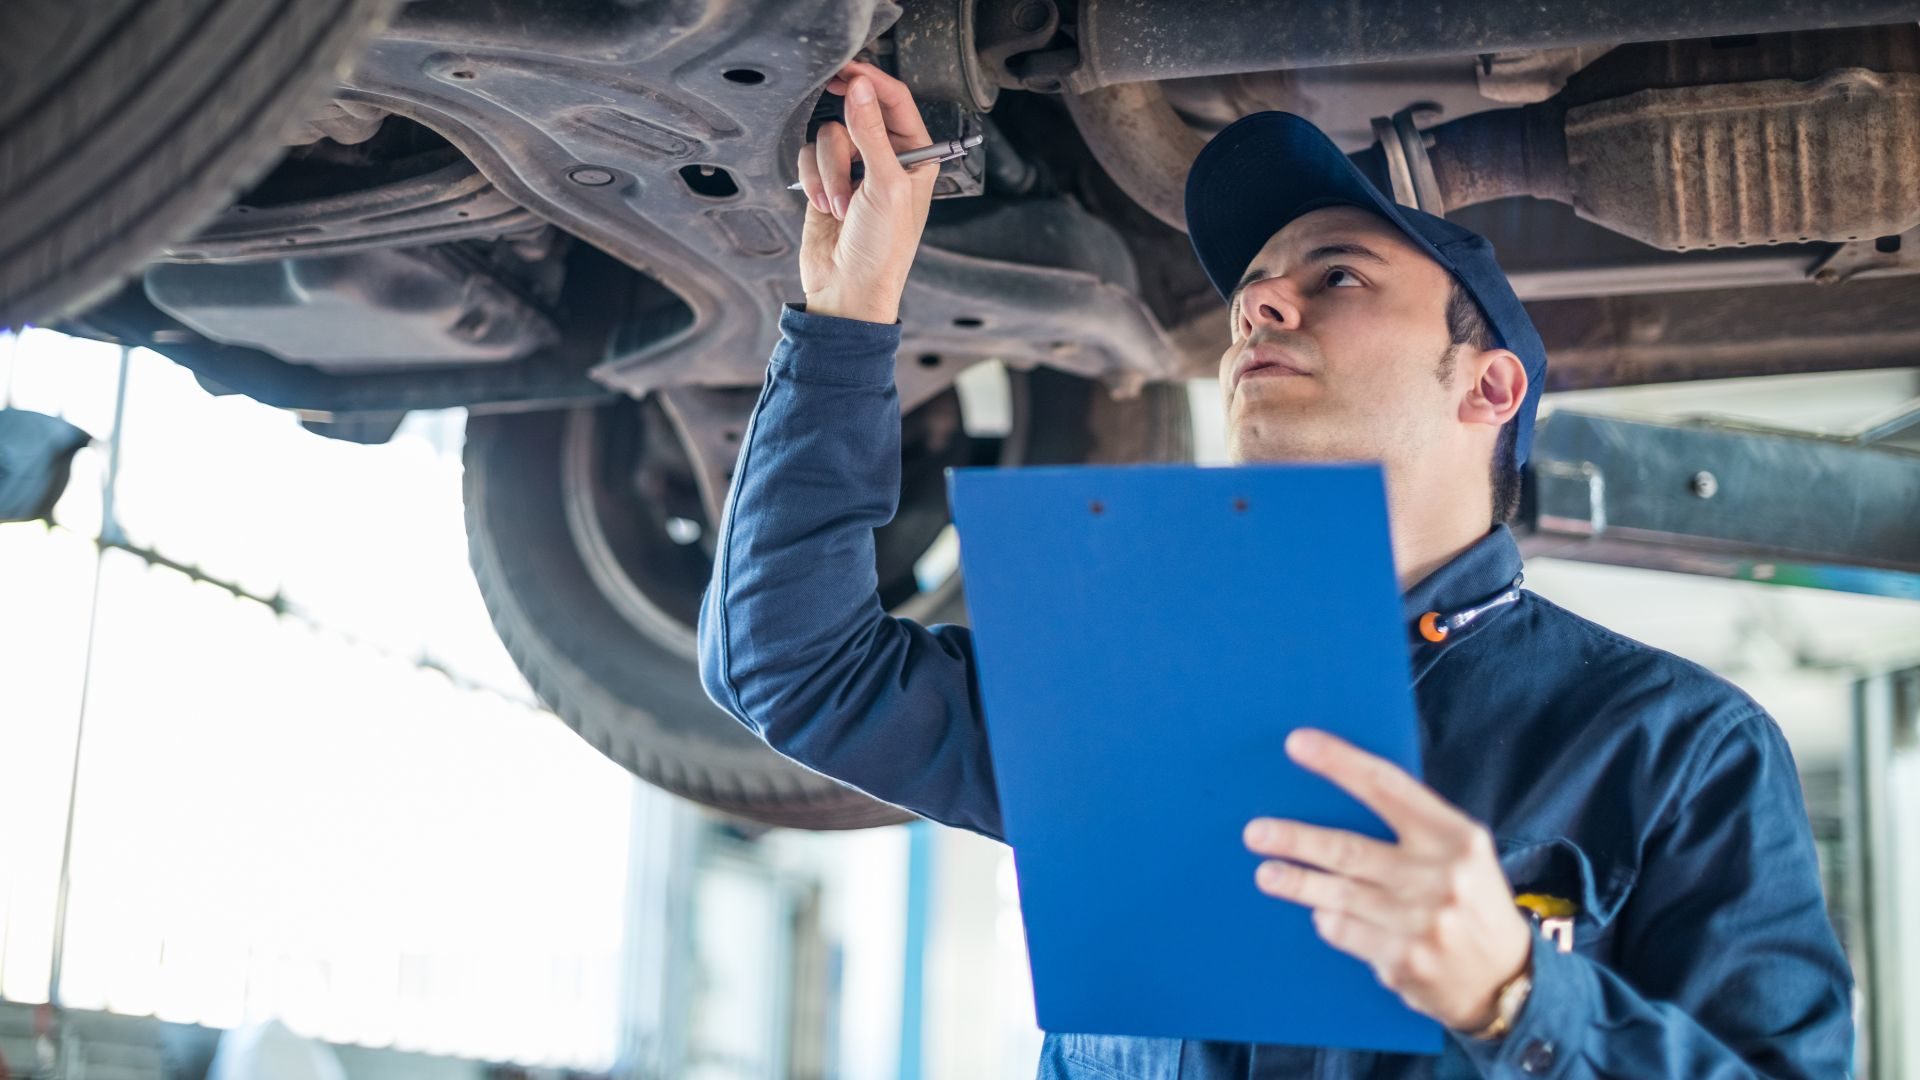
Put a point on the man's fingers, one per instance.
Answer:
(834, 153)
(1409, 807)
(1325, 892)
(1357, 937)
(897, 111)
(869, 131)
(1338, 850)
(810, 182)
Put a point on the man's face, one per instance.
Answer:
(1351, 318)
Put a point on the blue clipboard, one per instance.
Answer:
(1146, 636)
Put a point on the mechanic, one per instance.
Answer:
(1642, 812)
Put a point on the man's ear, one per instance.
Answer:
(1499, 386)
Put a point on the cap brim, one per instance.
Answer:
(1260, 173)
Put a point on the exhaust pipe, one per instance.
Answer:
(1830, 156)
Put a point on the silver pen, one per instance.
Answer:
(940, 151)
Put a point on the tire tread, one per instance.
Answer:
(171, 111)
(538, 609)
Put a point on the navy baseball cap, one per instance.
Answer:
(1262, 171)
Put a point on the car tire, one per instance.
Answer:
(125, 124)
(614, 659)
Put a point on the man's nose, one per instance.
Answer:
(1269, 305)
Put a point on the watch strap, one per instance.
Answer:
(1507, 1005)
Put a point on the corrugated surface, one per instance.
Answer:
(1765, 162)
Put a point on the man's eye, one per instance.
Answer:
(1340, 277)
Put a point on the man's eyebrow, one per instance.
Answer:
(1337, 250)
(1344, 249)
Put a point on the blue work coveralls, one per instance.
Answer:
(1655, 796)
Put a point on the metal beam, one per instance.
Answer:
(1722, 333)
(1729, 333)
(1725, 501)
(1892, 424)
(1122, 41)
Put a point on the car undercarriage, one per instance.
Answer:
(573, 220)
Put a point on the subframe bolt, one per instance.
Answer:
(589, 176)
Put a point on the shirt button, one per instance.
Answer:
(1536, 1057)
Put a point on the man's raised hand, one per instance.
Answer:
(858, 242)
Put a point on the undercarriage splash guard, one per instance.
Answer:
(666, 135)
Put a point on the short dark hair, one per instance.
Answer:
(1467, 325)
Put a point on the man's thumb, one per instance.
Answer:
(869, 131)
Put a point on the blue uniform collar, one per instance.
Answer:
(1464, 595)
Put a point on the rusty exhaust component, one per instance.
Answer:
(1777, 161)
(1494, 155)
(1831, 157)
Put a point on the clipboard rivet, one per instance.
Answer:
(1097, 507)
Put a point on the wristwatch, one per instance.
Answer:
(1507, 1005)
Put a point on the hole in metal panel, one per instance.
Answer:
(709, 181)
